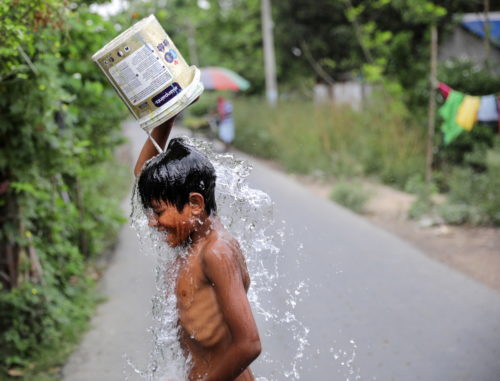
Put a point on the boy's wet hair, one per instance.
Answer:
(172, 175)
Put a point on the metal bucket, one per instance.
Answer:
(149, 73)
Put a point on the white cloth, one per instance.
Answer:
(488, 109)
(226, 130)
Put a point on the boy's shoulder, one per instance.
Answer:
(221, 243)
(220, 247)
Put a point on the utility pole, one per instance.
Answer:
(269, 59)
(193, 51)
(487, 35)
(432, 104)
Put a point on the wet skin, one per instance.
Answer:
(218, 328)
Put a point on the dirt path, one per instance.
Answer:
(473, 250)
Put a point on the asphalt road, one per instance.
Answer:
(377, 308)
(374, 307)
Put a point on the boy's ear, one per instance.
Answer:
(197, 203)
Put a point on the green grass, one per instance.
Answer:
(334, 141)
(350, 194)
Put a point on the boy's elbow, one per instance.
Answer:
(257, 349)
(253, 349)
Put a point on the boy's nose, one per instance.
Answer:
(152, 221)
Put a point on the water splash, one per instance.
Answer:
(347, 361)
(248, 215)
(166, 359)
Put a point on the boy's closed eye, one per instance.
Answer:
(157, 210)
(153, 216)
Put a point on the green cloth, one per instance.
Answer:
(448, 112)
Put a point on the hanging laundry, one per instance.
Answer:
(488, 110)
(448, 112)
(444, 89)
(467, 112)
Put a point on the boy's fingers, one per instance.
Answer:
(171, 121)
(168, 123)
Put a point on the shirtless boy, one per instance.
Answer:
(217, 326)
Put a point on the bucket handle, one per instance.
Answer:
(157, 146)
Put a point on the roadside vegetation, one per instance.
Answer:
(351, 194)
(333, 142)
(383, 141)
(59, 183)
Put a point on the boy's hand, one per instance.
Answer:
(171, 120)
(160, 135)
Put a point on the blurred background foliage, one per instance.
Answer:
(60, 123)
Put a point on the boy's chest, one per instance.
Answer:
(190, 281)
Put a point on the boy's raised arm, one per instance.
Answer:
(160, 135)
(222, 269)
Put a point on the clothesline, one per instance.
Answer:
(461, 111)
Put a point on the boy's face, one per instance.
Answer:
(176, 225)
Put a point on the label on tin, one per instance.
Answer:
(141, 74)
(167, 94)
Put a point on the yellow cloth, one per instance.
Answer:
(467, 112)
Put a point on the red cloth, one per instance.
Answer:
(444, 89)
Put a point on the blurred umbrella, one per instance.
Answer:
(219, 78)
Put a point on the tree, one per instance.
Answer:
(373, 39)
(227, 33)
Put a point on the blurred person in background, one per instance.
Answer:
(226, 123)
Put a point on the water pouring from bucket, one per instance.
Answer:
(149, 74)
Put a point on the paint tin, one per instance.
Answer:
(149, 73)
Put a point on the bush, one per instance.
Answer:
(41, 318)
(350, 194)
(424, 204)
(473, 194)
(59, 206)
(459, 214)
